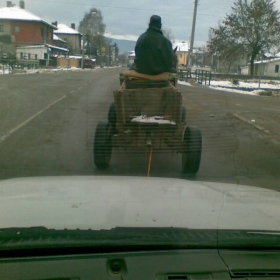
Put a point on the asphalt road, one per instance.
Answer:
(48, 122)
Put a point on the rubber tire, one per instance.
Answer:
(112, 114)
(192, 146)
(102, 147)
(184, 113)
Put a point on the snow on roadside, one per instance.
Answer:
(263, 85)
(58, 70)
(184, 83)
(251, 86)
(4, 69)
(254, 92)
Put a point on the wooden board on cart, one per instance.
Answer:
(165, 102)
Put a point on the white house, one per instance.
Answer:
(39, 52)
(269, 68)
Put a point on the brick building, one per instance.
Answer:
(19, 27)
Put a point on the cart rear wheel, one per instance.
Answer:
(192, 144)
(102, 147)
(112, 116)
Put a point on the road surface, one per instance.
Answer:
(48, 122)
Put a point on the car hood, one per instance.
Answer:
(97, 202)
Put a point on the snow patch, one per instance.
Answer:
(16, 13)
(64, 29)
(263, 85)
(184, 83)
(246, 87)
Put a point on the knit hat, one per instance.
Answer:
(155, 21)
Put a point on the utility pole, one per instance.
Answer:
(83, 51)
(192, 36)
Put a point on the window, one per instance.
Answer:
(17, 29)
(1, 28)
(276, 68)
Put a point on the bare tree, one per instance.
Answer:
(93, 28)
(250, 30)
(167, 32)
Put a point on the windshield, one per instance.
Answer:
(140, 115)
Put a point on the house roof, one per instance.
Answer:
(16, 13)
(46, 46)
(267, 61)
(56, 38)
(64, 29)
(181, 46)
(132, 54)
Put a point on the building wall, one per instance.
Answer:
(73, 42)
(271, 69)
(6, 27)
(39, 52)
(59, 44)
(182, 58)
(7, 48)
(245, 70)
(26, 32)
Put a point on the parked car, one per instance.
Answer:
(89, 63)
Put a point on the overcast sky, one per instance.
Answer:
(129, 18)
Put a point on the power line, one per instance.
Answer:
(124, 8)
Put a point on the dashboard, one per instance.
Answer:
(160, 265)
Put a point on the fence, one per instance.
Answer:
(184, 75)
(203, 76)
(7, 66)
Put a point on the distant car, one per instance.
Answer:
(89, 63)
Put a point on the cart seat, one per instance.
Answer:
(135, 75)
(134, 80)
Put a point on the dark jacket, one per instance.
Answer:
(154, 54)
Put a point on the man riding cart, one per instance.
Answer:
(147, 112)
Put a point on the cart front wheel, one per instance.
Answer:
(192, 145)
(102, 147)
